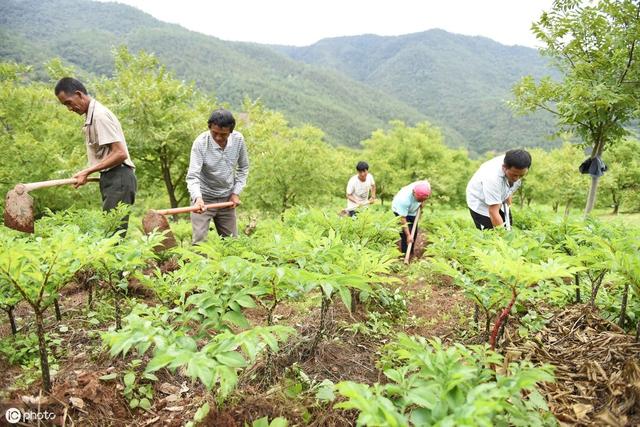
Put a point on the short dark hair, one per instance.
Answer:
(222, 118)
(362, 166)
(519, 159)
(69, 85)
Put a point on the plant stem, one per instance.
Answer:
(595, 287)
(476, 316)
(487, 321)
(90, 297)
(503, 316)
(577, 281)
(116, 303)
(56, 305)
(44, 358)
(324, 308)
(12, 321)
(623, 306)
(502, 328)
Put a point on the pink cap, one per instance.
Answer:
(422, 189)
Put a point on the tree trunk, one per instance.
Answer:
(12, 321)
(166, 177)
(616, 202)
(591, 199)
(567, 208)
(555, 206)
(44, 357)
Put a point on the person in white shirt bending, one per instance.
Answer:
(492, 186)
(358, 189)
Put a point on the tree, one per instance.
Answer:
(160, 115)
(41, 140)
(289, 166)
(404, 154)
(595, 48)
(37, 269)
(624, 179)
(562, 185)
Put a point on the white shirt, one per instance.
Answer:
(101, 129)
(489, 186)
(359, 190)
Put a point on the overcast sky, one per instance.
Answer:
(304, 22)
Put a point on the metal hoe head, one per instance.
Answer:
(19, 212)
(154, 221)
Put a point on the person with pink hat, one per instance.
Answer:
(405, 204)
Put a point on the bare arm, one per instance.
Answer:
(494, 215)
(352, 198)
(117, 155)
(405, 229)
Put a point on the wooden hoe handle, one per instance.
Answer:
(413, 235)
(187, 209)
(24, 188)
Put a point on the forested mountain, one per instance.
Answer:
(459, 83)
(458, 80)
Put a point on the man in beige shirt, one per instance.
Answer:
(106, 147)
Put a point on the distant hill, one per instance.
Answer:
(347, 86)
(458, 80)
(84, 32)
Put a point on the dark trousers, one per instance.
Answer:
(484, 222)
(404, 245)
(118, 185)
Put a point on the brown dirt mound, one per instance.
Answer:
(439, 307)
(596, 368)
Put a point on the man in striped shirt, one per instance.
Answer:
(218, 171)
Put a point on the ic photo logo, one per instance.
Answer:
(15, 415)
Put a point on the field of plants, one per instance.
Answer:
(313, 319)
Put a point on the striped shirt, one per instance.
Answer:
(214, 172)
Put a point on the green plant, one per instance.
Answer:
(118, 259)
(531, 323)
(214, 354)
(264, 422)
(37, 268)
(9, 298)
(430, 384)
(137, 387)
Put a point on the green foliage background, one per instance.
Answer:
(348, 87)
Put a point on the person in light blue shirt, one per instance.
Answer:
(405, 204)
